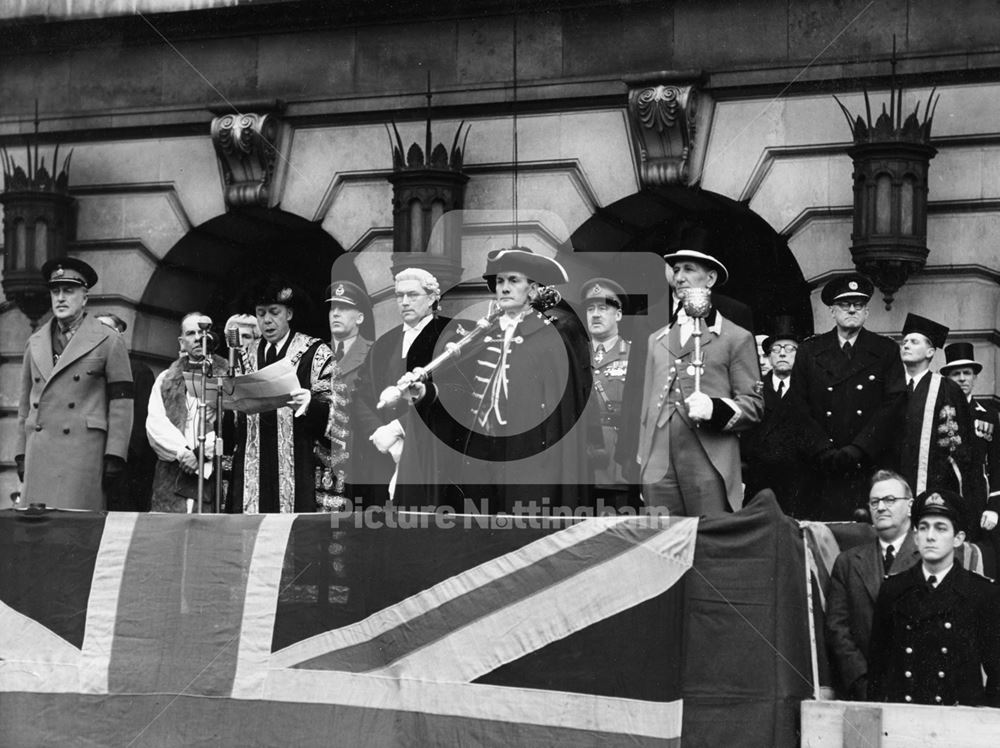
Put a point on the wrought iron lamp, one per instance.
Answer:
(891, 158)
(38, 223)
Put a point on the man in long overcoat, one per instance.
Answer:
(75, 414)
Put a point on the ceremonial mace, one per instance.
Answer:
(392, 394)
(206, 367)
(697, 303)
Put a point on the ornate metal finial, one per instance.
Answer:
(428, 157)
(891, 161)
(38, 222)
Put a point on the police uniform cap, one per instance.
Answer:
(535, 267)
(933, 331)
(939, 503)
(602, 289)
(346, 293)
(69, 271)
(960, 356)
(852, 286)
(702, 259)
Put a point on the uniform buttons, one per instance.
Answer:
(937, 699)
(76, 377)
(678, 390)
(908, 674)
(947, 624)
(543, 406)
(871, 377)
(908, 698)
(909, 650)
(672, 369)
(940, 673)
(861, 386)
(909, 627)
(677, 361)
(34, 405)
(666, 388)
(828, 414)
(944, 650)
(38, 379)
(829, 389)
(72, 405)
(38, 428)
(859, 412)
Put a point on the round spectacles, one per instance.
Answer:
(784, 348)
(409, 296)
(850, 305)
(889, 501)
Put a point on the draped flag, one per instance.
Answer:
(131, 629)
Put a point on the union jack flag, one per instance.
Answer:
(130, 629)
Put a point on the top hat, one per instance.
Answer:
(960, 355)
(783, 330)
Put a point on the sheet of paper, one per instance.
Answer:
(261, 391)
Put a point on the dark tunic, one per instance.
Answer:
(842, 402)
(927, 646)
(523, 440)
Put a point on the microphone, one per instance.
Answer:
(235, 348)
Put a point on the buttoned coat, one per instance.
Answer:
(853, 589)
(927, 646)
(72, 413)
(986, 450)
(772, 451)
(731, 372)
(609, 384)
(846, 402)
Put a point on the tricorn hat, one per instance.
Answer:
(535, 267)
(933, 331)
(959, 356)
(701, 258)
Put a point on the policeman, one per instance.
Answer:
(847, 383)
(603, 302)
(936, 626)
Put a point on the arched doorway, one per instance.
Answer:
(763, 272)
(212, 267)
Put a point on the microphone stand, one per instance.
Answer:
(206, 365)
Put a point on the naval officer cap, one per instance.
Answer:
(602, 290)
(939, 503)
(69, 271)
(849, 287)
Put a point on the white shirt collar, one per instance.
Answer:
(896, 543)
(279, 345)
(348, 342)
(917, 377)
(841, 339)
(940, 575)
(410, 333)
(775, 380)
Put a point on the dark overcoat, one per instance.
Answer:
(927, 646)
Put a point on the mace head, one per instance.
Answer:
(697, 301)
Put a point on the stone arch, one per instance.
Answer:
(211, 267)
(764, 274)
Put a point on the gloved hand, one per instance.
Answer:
(989, 519)
(19, 459)
(114, 466)
(699, 406)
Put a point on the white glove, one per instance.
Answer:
(989, 519)
(385, 436)
(300, 400)
(699, 406)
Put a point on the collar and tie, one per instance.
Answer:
(932, 582)
(270, 354)
(890, 556)
(848, 350)
(909, 385)
(781, 388)
(338, 352)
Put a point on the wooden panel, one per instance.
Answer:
(903, 725)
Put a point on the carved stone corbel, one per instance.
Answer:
(665, 120)
(247, 146)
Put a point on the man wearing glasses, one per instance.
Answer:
(857, 576)
(847, 382)
(771, 449)
(398, 351)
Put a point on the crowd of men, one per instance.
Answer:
(541, 405)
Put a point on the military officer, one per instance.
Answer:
(963, 369)
(847, 384)
(936, 626)
(75, 414)
(603, 301)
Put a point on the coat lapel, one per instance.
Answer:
(41, 349)
(355, 356)
(88, 336)
(870, 568)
